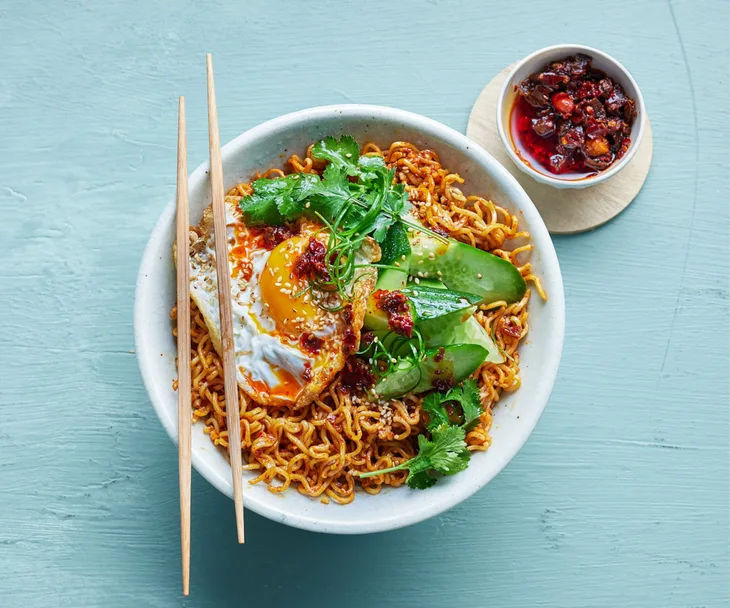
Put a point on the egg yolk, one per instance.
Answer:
(279, 287)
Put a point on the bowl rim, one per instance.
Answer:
(548, 372)
(556, 181)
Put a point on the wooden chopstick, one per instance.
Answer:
(224, 298)
(184, 410)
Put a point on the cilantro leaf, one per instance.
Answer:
(260, 207)
(370, 167)
(274, 200)
(331, 194)
(421, 480)
(467, 394)
(437, 414)
(343, 153)
(291, 202)
(445, 447)
(444, 453)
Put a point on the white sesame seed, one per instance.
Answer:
(479, 275)
(375, 339)
(307, 204)
(403, 258)
(439, 273)
(420, 274)
(417, 280)
(396, 264)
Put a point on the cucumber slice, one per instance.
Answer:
(426, 303)
(452, 365)
(466, 268)
(396, 245)
(376, 319)
(431, 302)
(456, 329)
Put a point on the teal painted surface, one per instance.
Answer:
(620, 498)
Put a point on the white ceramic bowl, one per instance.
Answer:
(533, 63)
(266, 146)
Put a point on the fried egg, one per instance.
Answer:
(287, 346)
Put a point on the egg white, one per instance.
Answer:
(260, 350)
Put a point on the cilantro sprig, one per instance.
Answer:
(355, 197)
(466, 395)
(444, 453)
(371, 202)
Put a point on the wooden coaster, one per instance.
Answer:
(565, 211)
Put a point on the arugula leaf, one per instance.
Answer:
(343, 153)
(444, 453)
(466, 394)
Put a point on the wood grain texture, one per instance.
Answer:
(564, 211)
(184, 422)
(620, 497)
(223, 274)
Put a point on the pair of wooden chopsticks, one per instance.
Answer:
(183, 322)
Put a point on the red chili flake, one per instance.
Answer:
(395, 304)
(347, 314)
(332, 419)
(442, 231)
(349, 341)
(443, 384)
(307, 374)
(274, 235)
(357, 375)
(440, 355)
(367, 338)
(311, 263)
(311, 343)
(507, 327)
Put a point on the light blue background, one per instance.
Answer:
(620, 498)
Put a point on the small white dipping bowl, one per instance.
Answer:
(269, 145)
(534, 63)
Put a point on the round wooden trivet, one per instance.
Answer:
(565, 211)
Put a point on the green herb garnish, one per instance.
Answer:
(466, 395)
(351, 210)
(444, 453)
